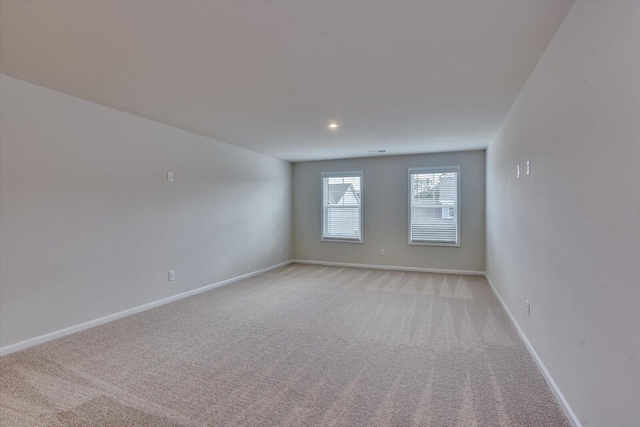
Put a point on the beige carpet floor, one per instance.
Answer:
(298, 346)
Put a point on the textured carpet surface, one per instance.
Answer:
(298, 346)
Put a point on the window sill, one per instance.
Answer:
(325, 239)
(451, 245)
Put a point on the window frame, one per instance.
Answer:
(426, 170)
(346, 174)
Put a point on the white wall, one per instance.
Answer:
(90, 226)
(386, 211)
(567, 237)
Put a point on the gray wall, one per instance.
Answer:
(567, 237)
(386, 211)
(90, 226)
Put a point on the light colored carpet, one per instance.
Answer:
(299, 346)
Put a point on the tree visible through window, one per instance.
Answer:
(342, 206)
(433, 206)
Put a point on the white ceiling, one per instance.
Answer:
(408, 77)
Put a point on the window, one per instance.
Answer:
(433, 206)
(342, 206)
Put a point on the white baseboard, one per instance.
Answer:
(543, 370)
(389, 267)
(12, 348)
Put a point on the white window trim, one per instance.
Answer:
(341, 174)
(455, 168)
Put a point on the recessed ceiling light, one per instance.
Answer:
(333, 125)
(377, 151)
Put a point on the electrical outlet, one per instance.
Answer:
(383, 252)
(170, 176)
(528, 309)
(280, 249)
(172, 275)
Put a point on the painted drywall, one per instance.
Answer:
(90, 226)
(567, 237)
(385, 212)
(268, 75)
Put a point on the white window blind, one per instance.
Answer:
(342, 206)
(433, 206)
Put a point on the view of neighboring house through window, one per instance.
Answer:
(433, 206)
(342, 206)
